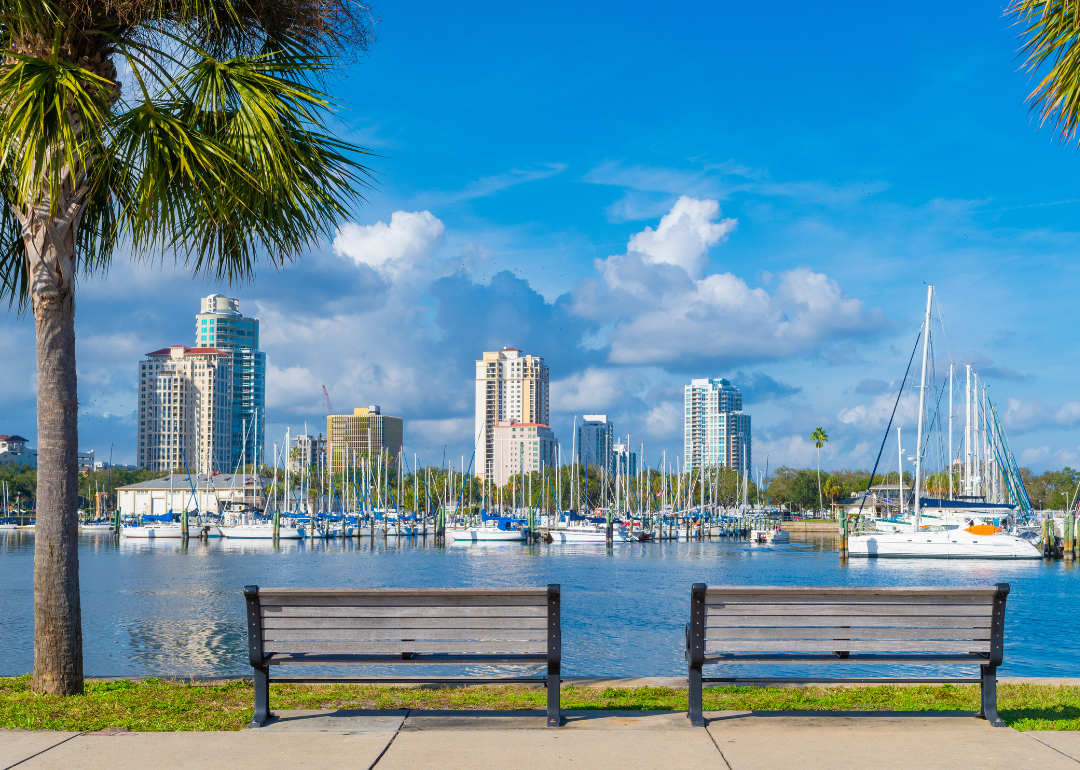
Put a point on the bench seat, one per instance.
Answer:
(843, 626)
(404, 626)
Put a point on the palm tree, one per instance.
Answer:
(819, 437)
(1051, 35)
(219, 155)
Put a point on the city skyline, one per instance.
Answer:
(779, 243)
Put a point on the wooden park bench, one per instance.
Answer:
(844, 626)
(396, 626)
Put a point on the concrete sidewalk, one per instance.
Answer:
(590, 739)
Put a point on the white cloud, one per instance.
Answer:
(875, 415)
(1035, 455)
(590, 391)
(664, 420)
(1024, 416)
(684, 235)
(410, 240)
(656, 310)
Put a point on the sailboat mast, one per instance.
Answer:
(950, 430)
(922, 404)
(967, 433)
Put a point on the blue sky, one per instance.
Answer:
(643, 194)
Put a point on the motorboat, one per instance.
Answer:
(493, 530)
(775, 536)
(976, 542)
(96, 526)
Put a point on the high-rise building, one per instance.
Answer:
(522, 447)
(220, 325)
(186, 410)
(366, 432)
(509, 386)
(716, 431)
(624, 461)
(596, 441)
(306, 451)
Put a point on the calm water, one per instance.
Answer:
(165, 609)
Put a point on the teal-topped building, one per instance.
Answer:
(221, 325)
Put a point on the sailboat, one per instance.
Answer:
(978, 540)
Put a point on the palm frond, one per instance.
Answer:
(237, 166)
(52, 113)
(1050, 34)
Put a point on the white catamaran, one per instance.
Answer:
(960, 529)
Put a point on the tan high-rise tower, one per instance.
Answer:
(510, 386)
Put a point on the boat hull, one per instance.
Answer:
(165, 532)
(262, 532)
(952, 544)
(484, 535)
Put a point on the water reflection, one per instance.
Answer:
(162, 607)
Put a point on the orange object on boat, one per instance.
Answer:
(983, 529)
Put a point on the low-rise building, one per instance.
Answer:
(13, 451)
(522, 447)
(179, 491)
(367, 432)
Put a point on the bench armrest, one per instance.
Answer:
(255, 626)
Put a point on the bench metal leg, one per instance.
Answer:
(262, 696)
(694, 712)
(988, 710)
(554, 693)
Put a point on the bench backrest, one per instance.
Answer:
(796, 619)
(392, 621)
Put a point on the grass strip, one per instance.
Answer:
(156, 705)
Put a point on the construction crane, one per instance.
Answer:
(329, 408)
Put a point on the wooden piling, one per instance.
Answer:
(843, 535)
(1068, 527)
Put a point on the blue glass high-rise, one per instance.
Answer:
(221, 325)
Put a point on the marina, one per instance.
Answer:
(148, 603)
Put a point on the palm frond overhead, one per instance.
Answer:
(1050, 34)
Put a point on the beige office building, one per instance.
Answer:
(522, 447)
(185, 410)
(510, 386)
(365, 432)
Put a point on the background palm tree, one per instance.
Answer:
(819, 437)
(1051, 33)
(219, 155)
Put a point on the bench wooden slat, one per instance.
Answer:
(718, 634)
(275, 621)
(854, 590)
(397, 647)
(395, 659)
(265, 592)
(404, 600)
(860, 621)
(824, 659)
(849, 610)
(392, 634)
(883, 599)
(852, 645)
(404, 612)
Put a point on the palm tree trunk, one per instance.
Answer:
(50, 253)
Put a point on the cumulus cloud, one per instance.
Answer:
(875, 415)
(410, 240)
(593, 390)
(658, 309)
(1025, 416)
(684, 235)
